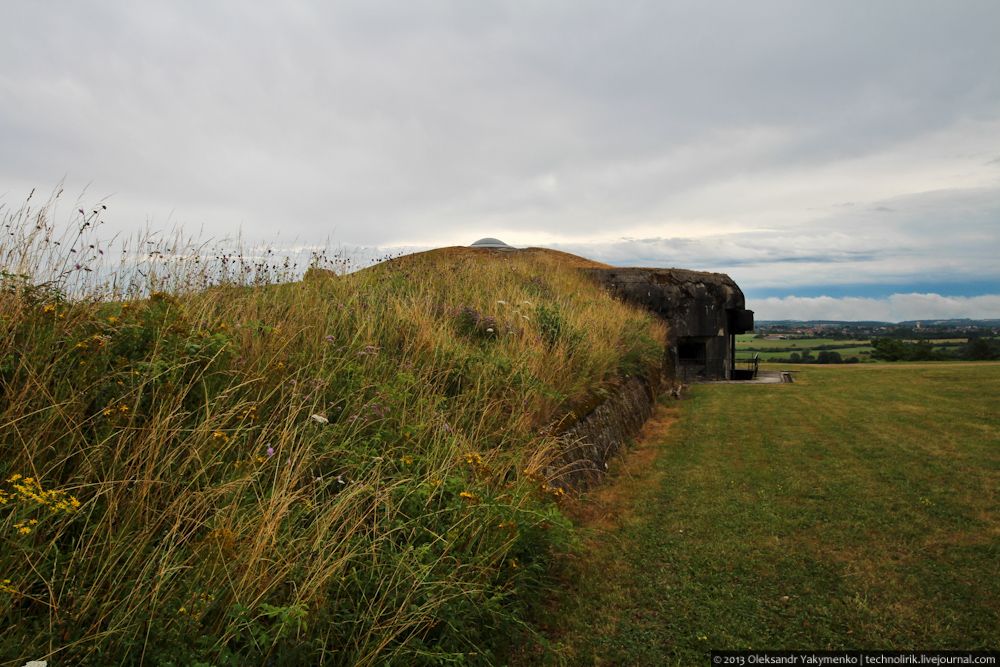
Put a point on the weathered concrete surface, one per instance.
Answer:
(703, 310)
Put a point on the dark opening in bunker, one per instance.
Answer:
(692, 358)
(691, 351)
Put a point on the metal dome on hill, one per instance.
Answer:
(491, 243)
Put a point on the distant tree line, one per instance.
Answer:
(975, 349)
(894, 349)
(821, 357)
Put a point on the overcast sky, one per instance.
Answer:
(827, 155)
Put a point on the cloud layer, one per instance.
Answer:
(787, 143)
(896, 308)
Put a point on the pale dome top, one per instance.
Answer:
(489, 243)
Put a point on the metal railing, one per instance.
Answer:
(746, 368)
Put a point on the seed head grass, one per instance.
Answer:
(206, 459)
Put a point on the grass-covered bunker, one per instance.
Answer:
(704, 312)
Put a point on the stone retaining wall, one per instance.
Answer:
(591, 442)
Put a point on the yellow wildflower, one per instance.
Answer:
(407, 460)
(468, 495)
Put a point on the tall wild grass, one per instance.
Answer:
(206, 461)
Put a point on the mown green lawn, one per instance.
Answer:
(856, 508)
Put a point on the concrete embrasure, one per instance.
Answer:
(698, 307)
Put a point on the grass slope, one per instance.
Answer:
(348, 470)
(855, 508)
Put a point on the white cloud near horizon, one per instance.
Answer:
(784, 142)
(894, 308)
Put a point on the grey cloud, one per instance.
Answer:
(895, 308)
(442, 122)
(949, 234)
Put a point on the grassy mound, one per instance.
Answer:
(347, 470)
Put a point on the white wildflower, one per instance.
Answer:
(320, 419)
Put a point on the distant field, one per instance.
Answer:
(747, 345)
(862, 353)
(747, 341)
(857, 507)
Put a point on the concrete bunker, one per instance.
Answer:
(704, 312)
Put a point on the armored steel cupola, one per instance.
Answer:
(489, 242)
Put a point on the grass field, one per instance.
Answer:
(747, 345)
(863, 353)
(855, 508)
(748, 342)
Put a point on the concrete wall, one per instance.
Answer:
(702, 311)
(699, 309)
